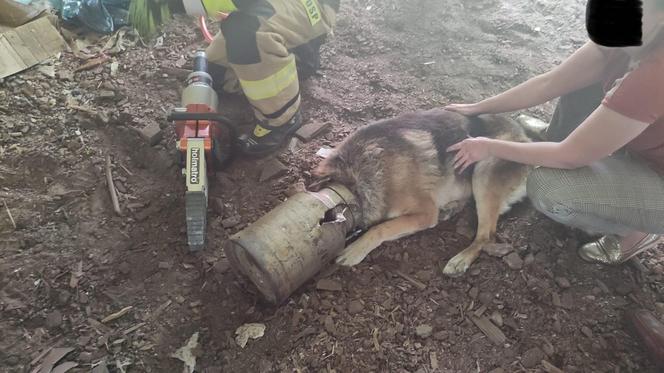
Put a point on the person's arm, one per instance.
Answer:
(583, 68)
(601, 134)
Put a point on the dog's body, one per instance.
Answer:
(405, 181)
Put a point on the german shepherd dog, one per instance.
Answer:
(404, 179)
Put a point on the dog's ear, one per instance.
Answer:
(327, 167)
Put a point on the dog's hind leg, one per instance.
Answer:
(401, 226)
(496, 184)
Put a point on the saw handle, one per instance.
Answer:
(200, 62)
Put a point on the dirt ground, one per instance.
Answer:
(71, 261)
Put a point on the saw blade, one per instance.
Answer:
(196, 197)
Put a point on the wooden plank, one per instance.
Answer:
(21, 48)
(10, 61)
(28, 45)
(46, 35)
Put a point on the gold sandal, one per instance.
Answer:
(607, 250)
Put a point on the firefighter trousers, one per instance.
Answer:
(263, 47)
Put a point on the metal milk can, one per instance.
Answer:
(285, 248)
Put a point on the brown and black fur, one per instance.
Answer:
(405, 181)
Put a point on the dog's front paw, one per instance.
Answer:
(350, 257)
(457, 266)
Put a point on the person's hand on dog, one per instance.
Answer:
(469, 151)
(465, 109)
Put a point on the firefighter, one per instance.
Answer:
(262, 46)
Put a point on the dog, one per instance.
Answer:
(404, 179)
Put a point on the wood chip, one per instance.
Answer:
(92, 63)
(480, 311)
(111, 186)
(311, 130)
(76, 275)
(434, 360)
(491, 331)
(40, 356)
(53, 357)
(133, 328)
(64, 367)
(413, 281)
(9, 213)
(161, 309)
(587, 332)
(374, 337)
(555, 299)
(498, 250)
(328, 285)
(117, 315)
(550, 368)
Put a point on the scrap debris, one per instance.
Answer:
(117, 315)
(28, 45)
(413, 281)
(492, 332)
(9, 213)
(53, 355)
(187, 354)
(246, 331)
(111, 186)
(76, 275)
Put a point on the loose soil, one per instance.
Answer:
(71, 261)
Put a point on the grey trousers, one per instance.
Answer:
(616, 195)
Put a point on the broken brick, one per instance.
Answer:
(311, 130)
(152, 133)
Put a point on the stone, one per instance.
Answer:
(106, 94)
(65, 75)
(311, 130)
(63, 297)
(563, 282)
(624, 289)
(496, 318)
(165, 265)
(473, 292)
(328, 285)
(272, 169)
(514, 261)
(586, 331)
(548, 349)
(12, 360)
(485, 298)
(217, 205)
(231, 222)
(498, 249)
(532, 357)
(329, 325)
(355, 307)
(529, 259)
(424, 331)
(151, 133)
(54, 319)
(124, 268)
(85, 357)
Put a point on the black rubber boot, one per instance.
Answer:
(257, 145)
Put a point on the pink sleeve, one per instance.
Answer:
(640, 94)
